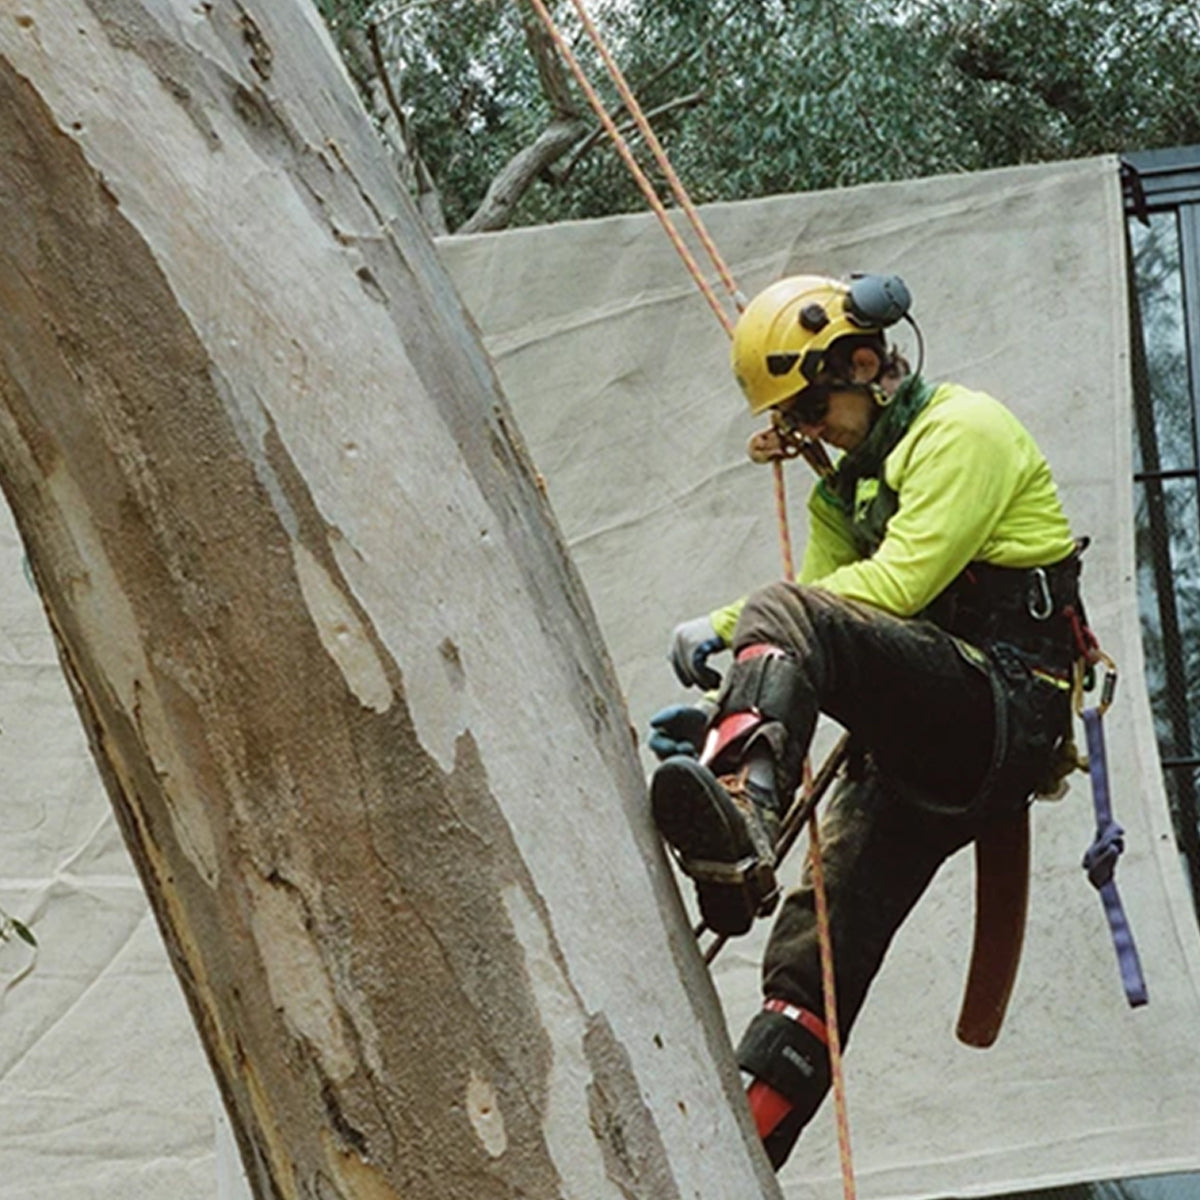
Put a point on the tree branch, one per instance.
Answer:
(552, 75)
(514, 180)
(598, 134)
(429, 201)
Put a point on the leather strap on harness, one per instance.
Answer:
(1001, 905)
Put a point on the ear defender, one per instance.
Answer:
(877, 301)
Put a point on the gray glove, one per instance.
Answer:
(691, 644)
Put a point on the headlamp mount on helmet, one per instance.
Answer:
(814, 318)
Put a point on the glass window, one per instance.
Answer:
(1159, 282)
(1163, 225)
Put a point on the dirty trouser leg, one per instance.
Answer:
(879, 855)
(924, 713)
(903, 688)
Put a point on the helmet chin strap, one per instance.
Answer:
(872, 389)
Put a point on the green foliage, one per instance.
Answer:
(793, 95)
(465, 79)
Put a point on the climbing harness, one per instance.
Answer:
(805, 805)
(1100, 859)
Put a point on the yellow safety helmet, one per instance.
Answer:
(781, 339)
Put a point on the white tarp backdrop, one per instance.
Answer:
(617, 372)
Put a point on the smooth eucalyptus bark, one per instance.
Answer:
(342, 682)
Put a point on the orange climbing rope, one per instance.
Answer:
(660, 155)
(652, 198)
(785, 534)
(622, 146)
(829, 995)
(685, 203)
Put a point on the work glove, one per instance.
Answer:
(691, 644)
(679, 729)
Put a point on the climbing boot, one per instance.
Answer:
(723, 830)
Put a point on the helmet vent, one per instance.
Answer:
(781, 364)
(814, 318)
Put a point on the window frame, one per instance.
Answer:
(1159, 182)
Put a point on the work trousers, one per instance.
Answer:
(948, 741)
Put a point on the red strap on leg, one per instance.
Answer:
(726, 731)
(759, 650)
(736, 725)
(767, 1106)
(801, 1016)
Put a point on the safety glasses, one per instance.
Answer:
(808, 407)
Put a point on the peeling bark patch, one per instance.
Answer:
(296, 976)
(634, 1155)
(483, 1108)
(355, 1179)
(352, 1137)
(129, 27)
(270, 136)
(464, 1004)
(342, 633)
(261, 54)
(101, 603)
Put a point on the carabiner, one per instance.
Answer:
(1107, 688)
(1039, 601)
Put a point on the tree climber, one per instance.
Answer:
(929, 619)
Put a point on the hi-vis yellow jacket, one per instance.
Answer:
(967, 484)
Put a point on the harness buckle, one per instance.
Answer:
(1039, 600)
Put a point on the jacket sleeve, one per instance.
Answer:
(829, 544)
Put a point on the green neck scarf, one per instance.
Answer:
(866, 460)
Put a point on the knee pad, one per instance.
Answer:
(765, 679)
(765, 696)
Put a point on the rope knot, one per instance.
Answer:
(1100, 860)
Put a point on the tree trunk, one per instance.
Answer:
(344, 687)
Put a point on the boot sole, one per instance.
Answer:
(695, 815)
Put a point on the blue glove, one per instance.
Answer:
(691, 644)
(678, 729)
